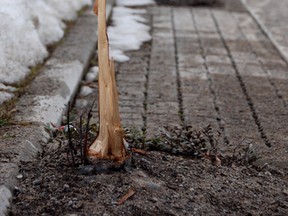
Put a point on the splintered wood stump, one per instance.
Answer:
(110, 141)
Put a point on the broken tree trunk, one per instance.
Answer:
(110, 142)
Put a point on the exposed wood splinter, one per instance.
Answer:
(109, 143)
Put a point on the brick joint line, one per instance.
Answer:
(243, 86)
(145, 102)
(179, 93)
(210, 82)
(277, 91)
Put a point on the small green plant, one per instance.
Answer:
(6, 111)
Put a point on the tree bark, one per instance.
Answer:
(110, 141)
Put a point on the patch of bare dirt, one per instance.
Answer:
(151, 182)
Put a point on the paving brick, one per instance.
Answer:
(131, 96)
(162, 95)
(156, 121)
(215, 51)
(221, 69)
(211, 59)
(131, 103)
(204, 25)
(161, 107)
(133, 123)
(126, 115)
(260, 89)
(183, 20)
(130, 70)
(133, 78)
(125, 109)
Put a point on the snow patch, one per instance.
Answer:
(20, 45)
(128, 30)
(67, 9)
(118, 55)
(47, 22)
(92, 74)
(85, 91)
(27, 26)
(7, 88)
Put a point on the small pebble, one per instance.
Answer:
(87, 170)
(36, 182)
(285, 191)
(16, 190)
(145, 161)
(164, 158)
(70, 203)
(149, 185)
(20, 176)
(140, 173)
(268, 173)
(54, 199)
(77, 205)
(152, 186)
(154, 199)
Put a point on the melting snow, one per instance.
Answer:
(92, 74)
(7, 88)
(26, 27)
(129, 30)
(85, 90)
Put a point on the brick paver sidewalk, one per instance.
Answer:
(273, 17)
(203, 66)
(209, 66)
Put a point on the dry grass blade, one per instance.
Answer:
(139, 151)
(129, 194)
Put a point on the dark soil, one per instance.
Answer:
(164, 183)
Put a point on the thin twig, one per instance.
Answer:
(70, 143)
(82, 150)
(89, 116)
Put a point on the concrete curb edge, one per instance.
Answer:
(77, 62)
